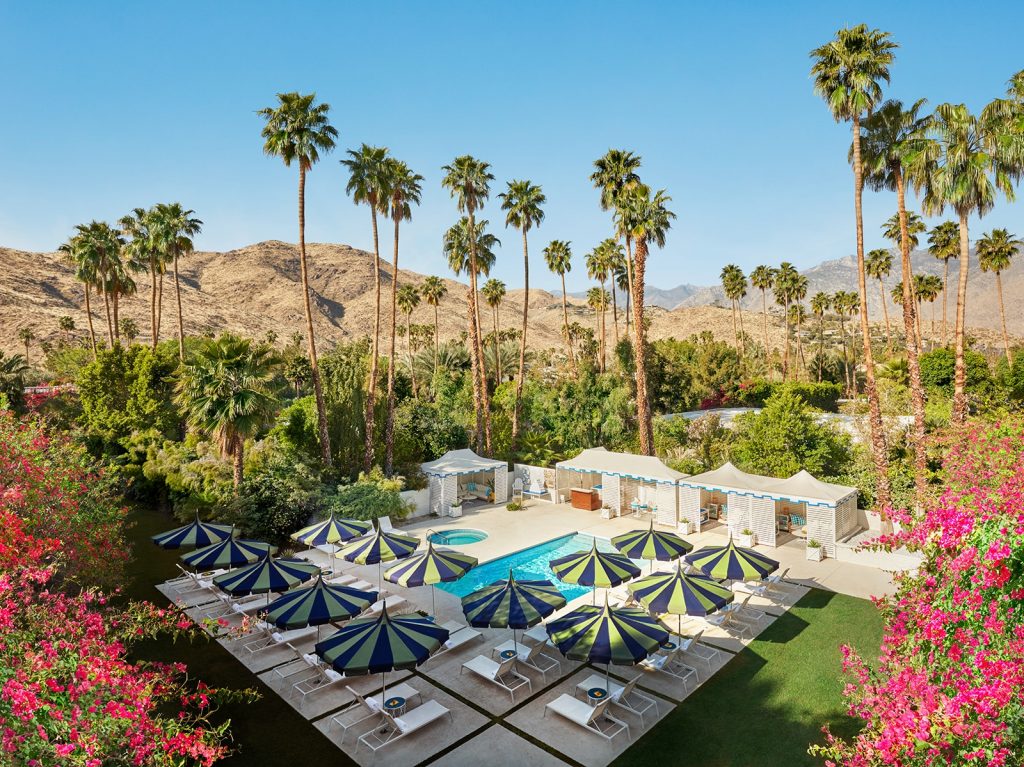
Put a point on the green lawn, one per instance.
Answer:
(770, 701)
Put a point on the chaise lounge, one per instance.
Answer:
(595, 719)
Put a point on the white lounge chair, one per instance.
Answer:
(691, 647)
(503, 674)
(595, 719)
(267, 636)
(458, 635)
(539, 634)
(745, 612)
(728, 620)
(322, 676)
(385, 524)
(365, 709)
(400, 726)
(623, 696)
(193, 582)
(395, 606)
(531, 656)
(672, 664)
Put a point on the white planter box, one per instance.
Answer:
(455, 511)
(747, 541)
(815, 555)
(685, 527)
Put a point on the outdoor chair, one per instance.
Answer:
(385, 524)
(728, 620)
(395, 606)
(744, 611)
(595, 719)
(773, 582)
(672, 665)
(400, 726)
(200, 582)
(692, 647)
(367, 708)
(503, 674)
(267, 637)
(538, 634)
(625, 697)
(322, 676)
(458, 635)
(531, 656)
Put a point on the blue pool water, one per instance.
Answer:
(528, 564)
(457, 537)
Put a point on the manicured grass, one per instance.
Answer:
(769, 702)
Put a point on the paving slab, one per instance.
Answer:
(497, 746)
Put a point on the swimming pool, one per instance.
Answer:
(457, 536)
(529, 564)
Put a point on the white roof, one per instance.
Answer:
(728, 477)
(460, 462)
(802, 486)
(600, 460)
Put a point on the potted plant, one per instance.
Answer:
(685, 527)
(455, 510)
(514, 506)
(814, 551)
(747, 538)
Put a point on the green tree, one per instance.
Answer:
(734, 283)
(298, 130)
(175, 229)
(879, 265)
(494, 293)
(599, 268)
(996, 250)
(907, 124)
(523, 203)
(433, 290)
(408, 300)
(77, 252)
(944, 244)
(26, 335)
(138, 226)
(225, 391)
(558, 257)
(820, 304)
(129, 329)
(763, 278)
(66, 324)
(784, 286)
(12, 381)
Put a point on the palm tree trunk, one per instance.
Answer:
(474, 371)
(152, 300)
(522, 346)
(408, 348)
(239, 461)
(88, 315)
(821, 343)
(389, 422)
(885, 311)
(735, 333)
(318, 391)
(743, 343)
(615, 312)
(945, 292)
(913, 361)
(604, 336)
(437, 337)
(800, 349)
(497, 350)
(785, 355)
(960, 370)
(879, 450)
(106, 305)
(629, 310)
(475, 339)
(1002, 319)
(159, 302)
(629, 280)
(371, 388)
(117, 314)
(917, 313)
(643, 404)
(568, 335)
(764, 317)
(181, 323)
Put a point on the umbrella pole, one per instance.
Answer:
(607, 689)
(433, 600)
(383, 689)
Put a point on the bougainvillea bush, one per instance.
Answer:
(948, 688)
(69, 693)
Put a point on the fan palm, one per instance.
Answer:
(67, 325)
(763, 278)
(494, 293)
(842, 304)
(523, 203)
(615, 260)
(891, 229)
(142, 248)
(944, 244)
(878, 265)
(558, 257)
(783, 286)
(468, 180)
(298, 130)
(599, 268)
(408, 299)
(614, 174)
(848, 72)
(78, 253)
(597, 299)
(820, 304)
(433, 290)
(734, 283)
(996, 250)
(225, 391)
(175, 228)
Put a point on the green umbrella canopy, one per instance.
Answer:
(732, 562)
(231, 552)
(602, 569)
(385, 643)
(603, 634)
(266, 575)
(379, 546)
(321, 603)
(681, 594)
(431, 566)
(512, 604)
(196, 534)
(651, 544)
(331, 531)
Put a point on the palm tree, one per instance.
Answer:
(494, 293)
(820, 304)
(433, 290)
(599, 268)
(297, 130)
(225, 391)
(892, 155)
(920, 294)
(408, 300)
(783, 287)
(468, 180)
(848, 72)
(78, 252)
(558, 257)
(614, 257)
(972, 159)
(597, 299)
(368, 184)
(26, 335)
(944, 244)
(142, 249)
(734, 283)
(129, 330)
(614, 174)
(763, 278)
(644, 215)
(175, 227)
(66, 324)
(797, 316)
(842, 304)
(996, 250)
(523, 203)
(403, 191)
(621, 280)
(879, 265)
(929, 290)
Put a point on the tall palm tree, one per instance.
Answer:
(944, 244)
(893, 155)
(879, 265)
(433, 290)
(78, 252)
(368, 184)
(99, 251)
(558, 257)
(797, 316)
(734, 283)
(820, 304)
(614, 174)
(848, 72)
(176, 229)
(598, 299)
(621, 280)
(494, 293)
(763, 278)
(403, 191)
(66, 323)
(523, 203)
(973, 158)
(931, 287)
(645, 216)
(408, 300)
(26, 335)
(842, 304)
(783, 286)
(920, 296)
(614, 257)
(599, 268)
(129, 330)
(996, 250)
(225, 390)
(468, 180)
(142, 248)
(298, 130)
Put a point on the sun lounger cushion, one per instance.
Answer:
(420, 716)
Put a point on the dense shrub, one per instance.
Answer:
(372, 496)
(938, 367)
(824, 396)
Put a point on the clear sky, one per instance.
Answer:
(108, 106)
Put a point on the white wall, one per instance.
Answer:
(421, 499)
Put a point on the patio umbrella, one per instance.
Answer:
(430, 567)
(620, 635)
(322, 603)
(681, 594)
(194, 535)
(331, 531)
(379, 546)
(599, 569)
(651, 544)
(732, 562)
(231, 552)
(379, 645)
(266, 576)
(512, 604)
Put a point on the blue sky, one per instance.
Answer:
(112, 106)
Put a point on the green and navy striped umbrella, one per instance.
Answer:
(425, 568)
(194, 535)
(231, 552)
(681, 594)
(732, 562)
(379, 546)
(600, 569)
(265, 576)
(382, 644)
(651, 544)
(512, 604)
(331, 531)
(322, 603)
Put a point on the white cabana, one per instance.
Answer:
(462, 474)
(621, 478)
(820, 511)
